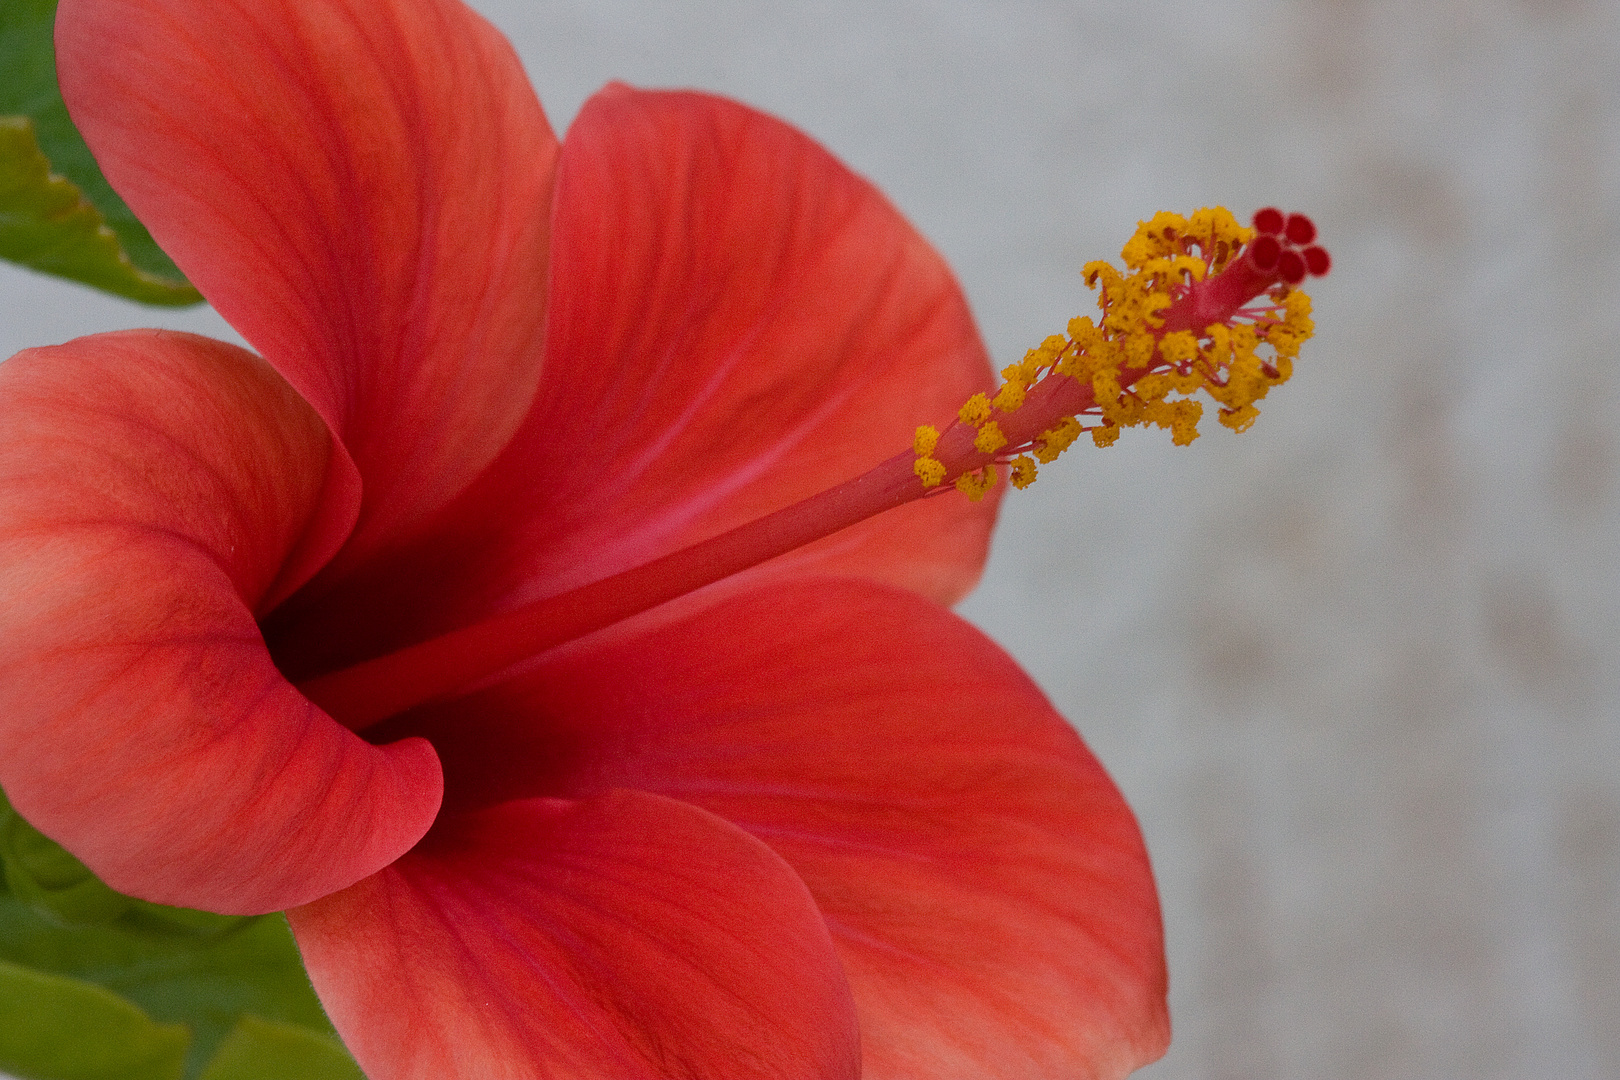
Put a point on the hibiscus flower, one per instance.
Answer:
(797, 821)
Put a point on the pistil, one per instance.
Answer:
(1177, 324)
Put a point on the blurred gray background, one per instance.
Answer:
(1356, 669)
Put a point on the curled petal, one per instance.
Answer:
(737, 321)
(362, 188)
(986, 885)
(154, 488)
(626, 936)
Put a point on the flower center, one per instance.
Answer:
(1178, 322)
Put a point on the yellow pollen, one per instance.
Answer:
(1179, 347)
(975, 484)
(1010, 396)
(975, 411)
(1131, 370)
(931, 471)
(990, 438)
(1058, 439)
(1239, 419)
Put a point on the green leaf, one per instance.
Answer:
(66, 220)
(193, 968)
(47, 224)
(57, 1028)
(263, 1050)
(205, 982)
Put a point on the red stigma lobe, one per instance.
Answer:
(1280, 250)
(1263, 252)
(1269, 221)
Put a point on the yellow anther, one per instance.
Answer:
(1154, 239)
(1010, 396)
(1298, 312)
(976, 483)
(975, 411)
(1217, 226)
(1115, 405)
(990, 439)
(1153, 387)
(1139, 348)
(1049, 350)
(1175, 270)
(1058, 439)
(1099, 269)
(1296, 326)
(931, 471)
(1127, 370)
(1085, 334)
(1219, 349)
(1184, 421)
(1155, 303)
(927, 438)
(1178, 347)
(1195, 269)
(1239, 419)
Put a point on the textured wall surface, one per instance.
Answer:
(1356, 669)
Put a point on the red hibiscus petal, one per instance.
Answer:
(782, 329)
(362, 188)
(626, 936)
(985, 883)
(153, 488)
(737, 321)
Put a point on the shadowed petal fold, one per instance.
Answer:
(362, 188)
(154, 488)
(986, 885)
(626, 936)
(737, 321)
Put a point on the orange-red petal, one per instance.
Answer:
(362, 188)
(154, 488)
(781, 328)
(737, 321)
(986, 885)
(626, 936)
